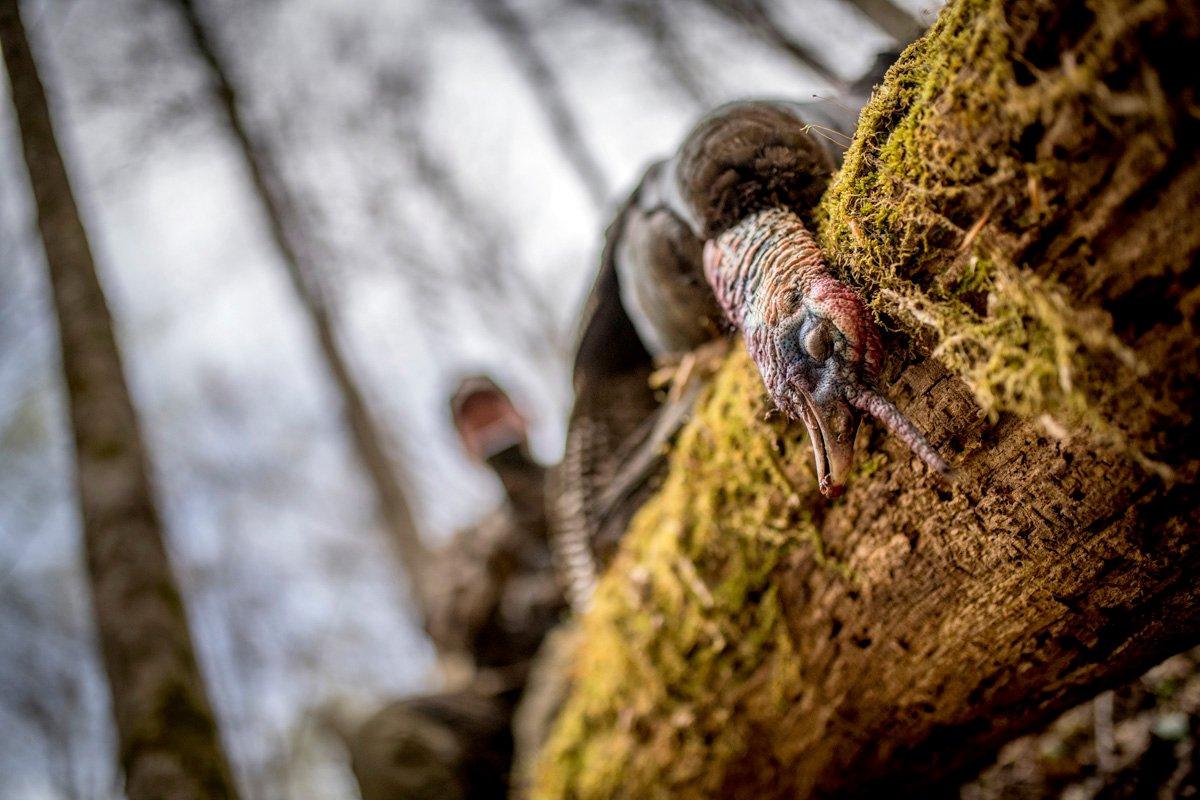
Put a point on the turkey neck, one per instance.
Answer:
(766, 268)
(761, 267)
(523, 481)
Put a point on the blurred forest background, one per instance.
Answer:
(445, 170)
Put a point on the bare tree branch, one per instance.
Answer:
(757, 18)
(280, 209)
(488, 261)
(523, 48)
(894, 20)
(652, 19)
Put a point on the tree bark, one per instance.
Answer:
(284, 228)
(169, 746)
(1019, 208)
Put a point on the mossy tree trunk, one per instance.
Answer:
(1020, 207)
(169, 747)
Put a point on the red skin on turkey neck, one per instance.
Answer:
(812, 338)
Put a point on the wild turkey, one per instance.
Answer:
(495, 598)
(717, 235)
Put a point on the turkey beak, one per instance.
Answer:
(832, 424)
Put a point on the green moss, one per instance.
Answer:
(690, 614)
(936, 192)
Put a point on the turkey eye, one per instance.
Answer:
(818, 343)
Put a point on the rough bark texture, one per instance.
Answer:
(168, 741)
(1019, 207)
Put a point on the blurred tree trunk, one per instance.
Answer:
(285, 229)
(1019, 207)
(756, 17)
(169, 746)
(508, 24)
(653, 19)
(894, 20)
